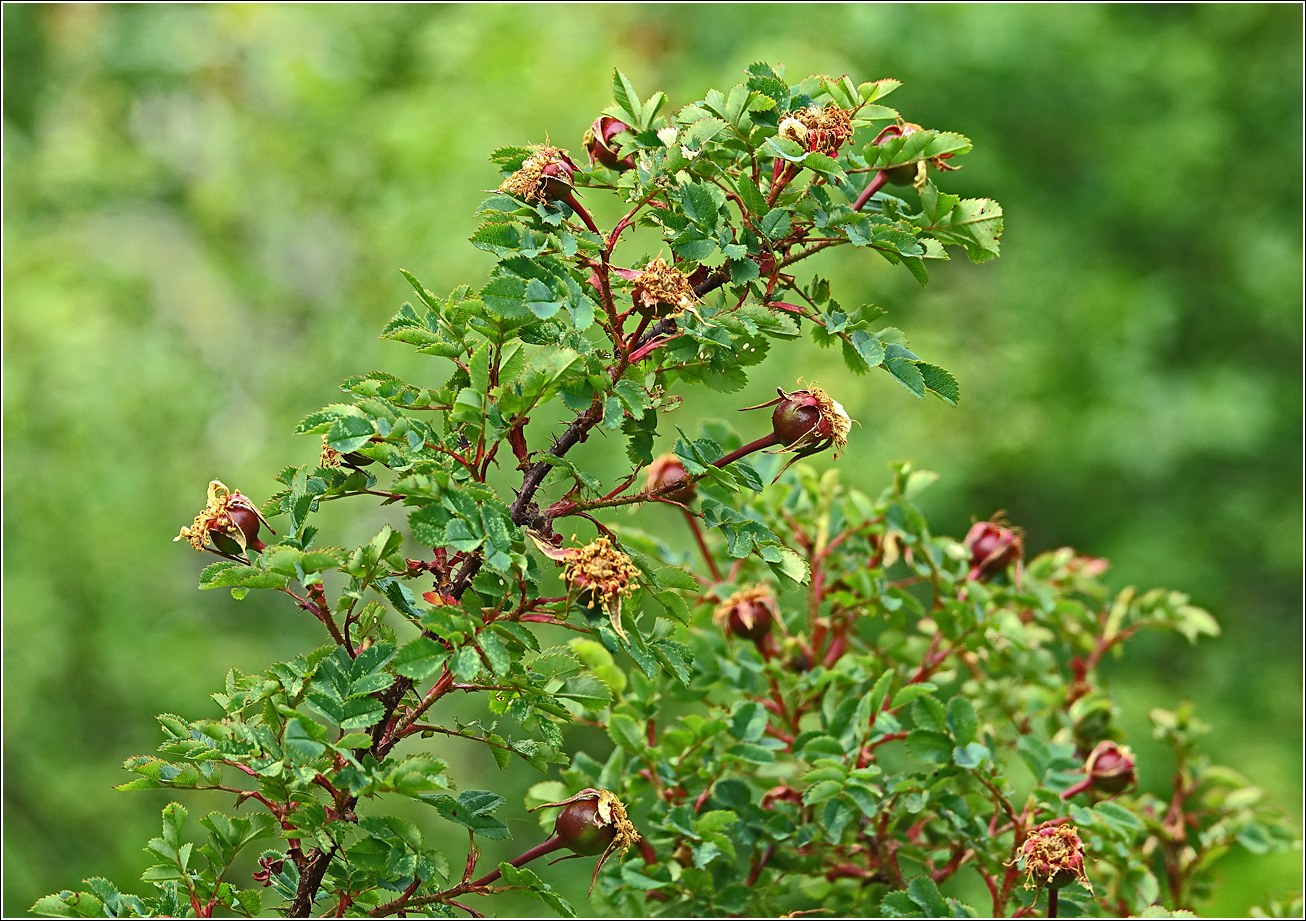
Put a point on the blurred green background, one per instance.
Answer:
(205, 209)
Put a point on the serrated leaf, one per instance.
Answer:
(420, 658)
(495, 653)
(586, 690)
(925, 892)
(962, 721)
(939, 382)
(626, 732)
(349, 433)
(970, 756)
(929, 746)
(905, 372)
(1118, 817)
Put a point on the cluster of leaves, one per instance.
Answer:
(861, 761)
(909, 730)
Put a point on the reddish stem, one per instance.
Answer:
(993, 891)
(877, 182)
(540, 850)
(766, 441)
(576, 206)
(761, 864)
(702, 544)
(1077, 788)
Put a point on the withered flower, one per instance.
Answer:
(545, 176)
(820, 130)
(660, 290)
(599, 573)
(593, 822)
(229, 520)
(1054, 857)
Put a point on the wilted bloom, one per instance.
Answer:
(598, 143)
(994, 545)
(598, 572)
(330, 456)
(807, 421)
(545, 176)
(1108, 769)
(229, 519)
(591, 822)
(1054, 857)
(822, 130)
(804, 422)
(749, 612)
(660, 290)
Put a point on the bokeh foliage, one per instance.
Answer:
(205, 209)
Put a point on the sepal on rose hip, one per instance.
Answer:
(913, 174)
(994, 546)
(749, 613)
(1108, 769)
(599, 143)
(229, 520)
(593, 822)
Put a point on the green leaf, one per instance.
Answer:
(776, 224)
(587, 690)
(470, 810)
(911, 692)
(881, 691)
(349, 433)
(300, 744)
(749, 753)
(427, 297)
(899, 905)
(962, 722)
(970, 756)
(821, 791)
(929, 746)
(245, 577)
(906, 373)
(1118, 817)
(939, 382)
(495, 653)
(420, 658)
(466, 663)
(626, 732)
(751, 196)
(626, 99)
(924, 892)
